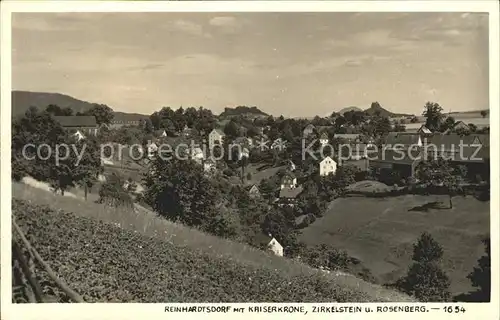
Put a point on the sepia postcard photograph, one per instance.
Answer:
(240, 156)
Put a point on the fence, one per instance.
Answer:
(24, 275)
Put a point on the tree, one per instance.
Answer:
(280, 224)
(425, 280)
(448, 124)
(179, 191)
(101, 112)
(231, 129)
(439, 173)
(481, 275)
(148, 126)
(434, 116)
(382, 125)
(427, 249)
(58, 111)
(414, 119)
(88, 169)
(113, 193)
(484, 113)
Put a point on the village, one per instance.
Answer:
(236, 161)
(391, 158)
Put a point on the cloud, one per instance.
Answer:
(223, 21)
(191, 28)
(225, 24)
(32, 22)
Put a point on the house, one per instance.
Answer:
(402, 140)
(243, 153)
(308, 130)
(269, 243)
(327, 166)
(291, 165)
(152, 148)
(362, 164)
(84, 124)
(403, 161)
(361, 151)
(323, 139)
(289, 180)
(209, 165)
(254, 192)
(458, 126)
(472, 151)
(424, 130)
(163, 134)
(197, 155)
(188, 132)
(116, 124)
(78, 135)
(215, 137)
(288, 195)
(456, 148)
(275, 247)
(349, 137)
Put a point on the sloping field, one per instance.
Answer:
(111, 255)
(381, 233)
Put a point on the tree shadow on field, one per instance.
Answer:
(428, 206)
(473, 296)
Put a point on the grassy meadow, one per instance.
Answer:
(381, 233)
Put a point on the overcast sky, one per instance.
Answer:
(295, 64)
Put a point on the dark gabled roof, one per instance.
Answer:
(447, 141)
(405, 156)
(290, 192)
(324, 135)
(394, 138)
(347, 135)
(76, 121)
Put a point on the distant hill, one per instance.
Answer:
(22, 100)
(252, 112)
(375, 107)
(123, 116)
(342, 111)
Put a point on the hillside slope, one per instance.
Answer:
(347, 109)
(22, 100)
(381, 232)
(108, 255)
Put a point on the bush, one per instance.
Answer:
(228, 172)
(112, 193)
